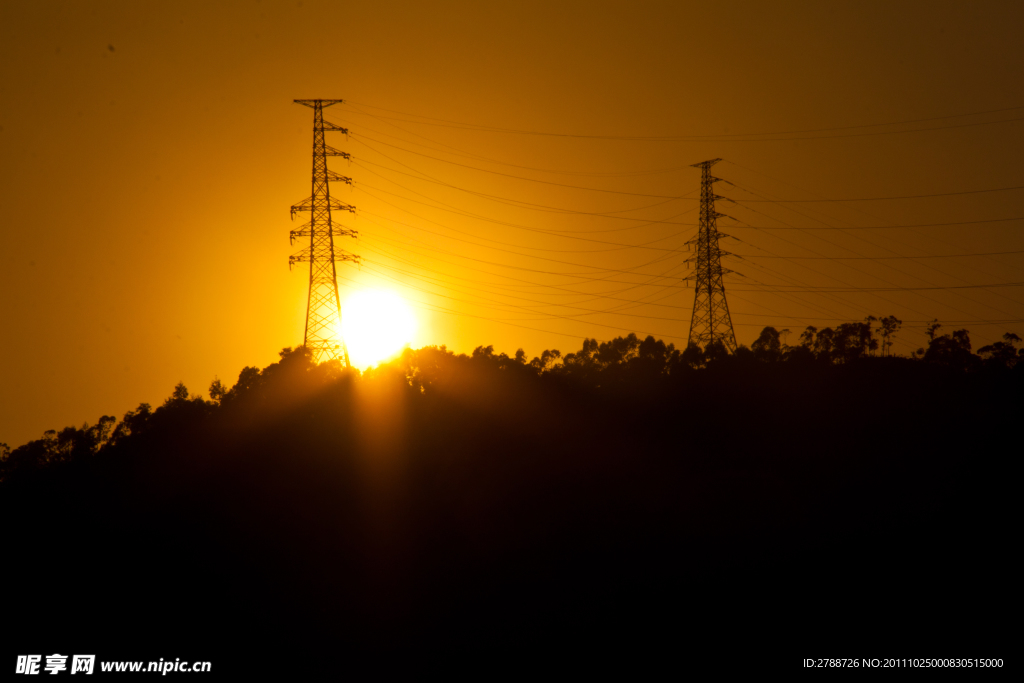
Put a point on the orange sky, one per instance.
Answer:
(150, 154)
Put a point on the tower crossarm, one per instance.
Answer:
(313, 104)
(307, 231)
(696, 239)
(307, 255)
(331, 152)
(328, 126)
(336, 177)
(700, 257)
(714, 270)
(309, 204)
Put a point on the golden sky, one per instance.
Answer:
(149, 153)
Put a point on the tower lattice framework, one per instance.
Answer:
(710, 321)
(323, 309)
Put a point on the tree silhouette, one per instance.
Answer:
(217, 390)
(692, 357)
(546, 359)
(714, 352)
(768, 346)
(824, 344)
(1003, 354)
(889, 326)
(852, 341)
(953, 350)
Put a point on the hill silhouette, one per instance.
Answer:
(626, 497)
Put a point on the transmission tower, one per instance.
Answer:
(710, 321)
(323, 309)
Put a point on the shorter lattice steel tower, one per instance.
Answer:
(710, 321)
(323, 308)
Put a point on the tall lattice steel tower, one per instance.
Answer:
(710, 321)
(323, 309)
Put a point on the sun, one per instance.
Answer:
(376, 325)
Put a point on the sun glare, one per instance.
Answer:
(376, 325)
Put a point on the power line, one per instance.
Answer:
(889, 265)
(796, 288)
(874, 199)
(876, 227)
(619, 246)
(727, 137)
(881, 258)
(928, 236)
(739, 201)
(888, 289)
(525, 205)
(664, 249)
(507, 175)
(461, 152)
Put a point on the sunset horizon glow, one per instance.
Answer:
(376, 325)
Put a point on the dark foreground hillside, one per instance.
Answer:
(443, 505)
